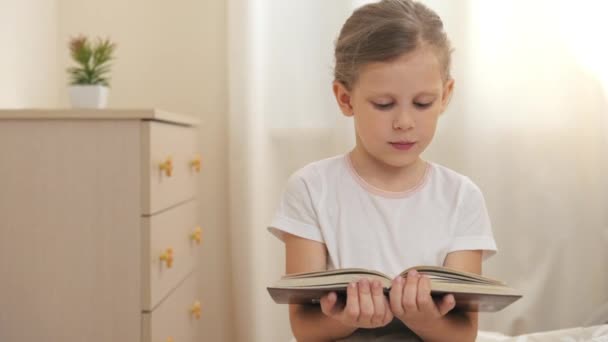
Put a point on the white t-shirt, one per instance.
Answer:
(363, 226)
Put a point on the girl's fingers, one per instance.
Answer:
(424, 300)
(351, 310)
(396, 296)
(388, 314)
(410, 292)
(379, 303)
(366, 304)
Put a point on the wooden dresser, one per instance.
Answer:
(99, 226)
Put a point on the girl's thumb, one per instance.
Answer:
(328, 302)
(446, 304)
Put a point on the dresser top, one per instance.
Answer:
(99, 114)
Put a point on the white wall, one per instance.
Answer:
(172, 55)
(28, 61)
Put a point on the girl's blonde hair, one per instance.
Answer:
(385, 30)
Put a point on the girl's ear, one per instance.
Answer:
(343, 98)
(448, 88)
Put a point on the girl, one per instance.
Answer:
(380, 206)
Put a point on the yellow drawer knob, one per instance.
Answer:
(196, 310)
(197, 235)
(167, 166)
(196, 163)
(167, 257)
(170, 339)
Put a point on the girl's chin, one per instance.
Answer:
(393, 158)
(400, 161)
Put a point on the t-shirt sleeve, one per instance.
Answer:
(296, 213)
(473, 229)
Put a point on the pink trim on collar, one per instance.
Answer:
(384, 193)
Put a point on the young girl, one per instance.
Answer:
(380, 206)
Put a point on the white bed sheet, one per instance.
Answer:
(597, 333)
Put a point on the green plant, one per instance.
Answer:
(93, 61)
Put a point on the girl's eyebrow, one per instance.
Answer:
(390, 94)
(427, 93)
(373, 93)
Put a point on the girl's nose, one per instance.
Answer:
(403, 121)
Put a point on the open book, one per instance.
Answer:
(471, 291)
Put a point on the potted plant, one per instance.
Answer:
(88, 81)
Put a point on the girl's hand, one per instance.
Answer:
(366, 305)
(411, 302)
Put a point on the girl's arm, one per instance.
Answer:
(366, 305)
(411, 302)
(308, 323)
(461, 324)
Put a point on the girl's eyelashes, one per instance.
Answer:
(388, 106)
(423, 105)
(383, 106)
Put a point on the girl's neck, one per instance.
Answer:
(386, 177)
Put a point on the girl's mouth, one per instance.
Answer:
(402, 146)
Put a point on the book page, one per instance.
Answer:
(451, 274)
(361, 271)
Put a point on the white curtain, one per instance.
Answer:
(536, 141)
(528, 123)
(282, 116)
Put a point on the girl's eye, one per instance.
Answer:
(423, 105)
(384, 106)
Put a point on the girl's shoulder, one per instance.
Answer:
(320, 168)
(448, 178)
(313, 177)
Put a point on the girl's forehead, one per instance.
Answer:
(417, 71)
(420, 63)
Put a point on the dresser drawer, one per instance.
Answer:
(170, 244)
(177, 317)
(170, 158)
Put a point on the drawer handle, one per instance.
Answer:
(197, 236)
(167, 257)
(170, 339)
(196, 310)
(196, 163)
(167, 166)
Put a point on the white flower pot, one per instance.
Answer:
(88, 96)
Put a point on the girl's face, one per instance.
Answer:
(396, 105)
